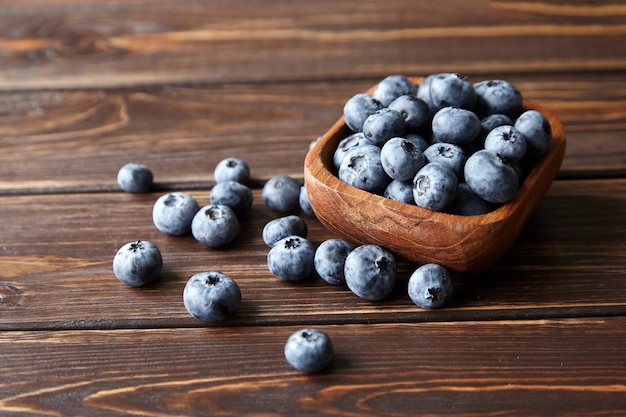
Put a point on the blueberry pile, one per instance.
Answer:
(445, 145)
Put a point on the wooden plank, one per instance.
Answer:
(94, 44)
(56, 253)
(574, 367)
(59, 141)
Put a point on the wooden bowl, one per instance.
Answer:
(463, 244)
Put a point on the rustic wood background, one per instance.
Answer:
(87, 86)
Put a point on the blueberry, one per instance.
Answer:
(417, 140)
(536, 129)
(414, 110)
(172, 213)
(392, 87)
(449, 155)
(215, 225)
(383, 125)
(490, 177)
(451, 90)
(135, 178)
(232, 169)
(137, 263)
(434, 187)
(401, 191)
(466, 203)
(506, 141)
(309, 350)
(282, 227)
(362, 168)
(497, 96)
(423, 90)
(305, 203)
(430, 286)
(345, 144)
(488, 123)
(401, 159)
(370, 272)
(233, 194)
(291, 259)
(211, 296)
(281, 194)
(330, 258)
(455, 125)
(358, 108)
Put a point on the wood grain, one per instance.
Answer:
(87, 85)
(55, 266)
(573, 367)
(95, 44)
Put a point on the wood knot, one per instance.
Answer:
(10, 295)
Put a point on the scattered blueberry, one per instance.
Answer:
(358, 108)
(135, 178)
(490, 177)
(291, 259)
(215, 225)
(211, 296)
(172, 213)
(233, 194)
(283, 227)
(137, 263)
(370, 272)
(305, 203)
(430, 286)
(434, 187)
(309, 350)
(232, 169)
(282, 194)
(330, 258)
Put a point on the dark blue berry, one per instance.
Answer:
(430, 286)
(283, 227)
(291, 259)
(309, 350)
(172, 213)
(211, 296)
(215, 225)
(330, 258)
(137, 263)
(233, 194)
(370, 272)
(135, 178)
(434, 187)
(282, 194)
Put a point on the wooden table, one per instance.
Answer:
(89, 85)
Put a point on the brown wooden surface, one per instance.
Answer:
(89, 85)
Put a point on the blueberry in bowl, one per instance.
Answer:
(462, 243)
